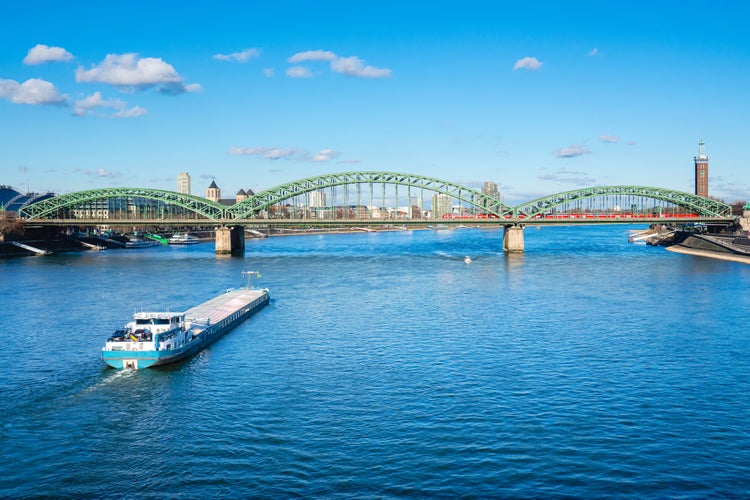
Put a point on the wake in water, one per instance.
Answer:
(110, 377)
(466, 259)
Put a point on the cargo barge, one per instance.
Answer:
(158, 338)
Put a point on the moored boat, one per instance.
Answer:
(158, 338)
(139, 243)
(183, 239)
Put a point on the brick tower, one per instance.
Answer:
(701, 171)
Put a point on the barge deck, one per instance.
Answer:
(153, 339)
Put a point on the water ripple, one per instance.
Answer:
(387, 367)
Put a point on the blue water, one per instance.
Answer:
(386, 367)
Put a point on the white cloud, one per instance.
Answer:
(353, 66)
(350, 66)
(268, 72)
(313, 55)
(133, 112)
(101, 173)
(32, 91)
(242, 56)
(299, 72)
(273, 153)
(95, 100)
(325, 155)
(572, 151)
(43, 53)
(104, 173)
(608, 138)
(729, 189)
(593, 51)
(89, 105)
(129, 73)
(268, 153)
(569, 177)
(531, 63)
(190, 87)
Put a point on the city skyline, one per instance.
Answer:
(539, 98)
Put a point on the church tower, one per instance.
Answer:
(701, 171)
(213, 192)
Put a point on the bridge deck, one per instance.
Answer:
(381, 222)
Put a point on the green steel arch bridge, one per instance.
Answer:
(374, 198)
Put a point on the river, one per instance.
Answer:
(385, 366)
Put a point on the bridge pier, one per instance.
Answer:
(513, 239)
(230, 240)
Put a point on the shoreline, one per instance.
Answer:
(711, 255)
(64, 245)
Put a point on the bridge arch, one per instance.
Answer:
(52, 207)
(270, 197)
(201, 208)
(699, 205)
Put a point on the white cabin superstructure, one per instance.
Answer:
(151, 331)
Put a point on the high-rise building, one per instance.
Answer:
(490, 189)
(701, 171)
(441, 205)
(317, 199)
(213, 192)
(183, 183)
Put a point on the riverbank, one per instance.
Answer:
(711, 255)
(84, 243)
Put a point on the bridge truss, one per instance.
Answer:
(623, 199)
(128, 201)
(361, 195)
(375, 194)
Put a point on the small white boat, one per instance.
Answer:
(139, 243)
(467, 260)
(183, 239)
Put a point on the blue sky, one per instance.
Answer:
(539, 97)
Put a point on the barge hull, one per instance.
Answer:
(209, 322)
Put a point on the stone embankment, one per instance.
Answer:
(734, 246)
(654, 235)
(712, 255)
(726, 247)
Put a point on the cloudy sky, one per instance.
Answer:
(539, 97)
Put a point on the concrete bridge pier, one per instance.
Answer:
(230, 240)
(513, 239)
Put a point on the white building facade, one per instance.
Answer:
(183, 183)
